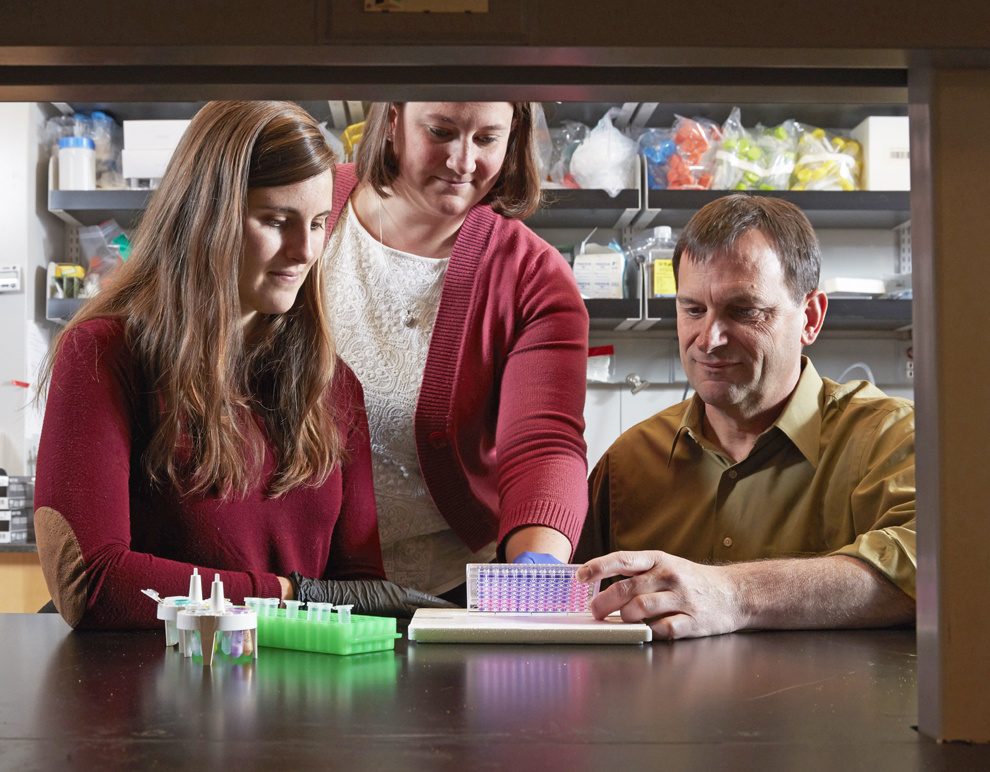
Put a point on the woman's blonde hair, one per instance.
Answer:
(177, 296)
(516, 194)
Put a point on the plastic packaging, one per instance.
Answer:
(758, 159)
(105, 247)
(825, 161)
(779, 146)
(692, 167)
(606, 159)
(332, 137)
(105, 134)
(566, 138)
(656, 146)
(542, 144)
(76, 163)
(351, 138)
(601, 364)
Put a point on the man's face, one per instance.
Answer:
(740, 330)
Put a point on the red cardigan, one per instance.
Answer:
(500, 418)
(105, 532)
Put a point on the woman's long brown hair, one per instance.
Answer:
(177, 296)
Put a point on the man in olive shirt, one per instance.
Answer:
(779, 499)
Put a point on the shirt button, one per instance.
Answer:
(438, 440)
(727, 542)
(733, 474)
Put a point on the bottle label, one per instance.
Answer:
(663, 279)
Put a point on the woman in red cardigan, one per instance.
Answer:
(469, 337)
(197, 415)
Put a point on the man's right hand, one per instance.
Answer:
(681, 599)
(677, 598)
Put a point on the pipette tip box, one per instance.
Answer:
(527, 588)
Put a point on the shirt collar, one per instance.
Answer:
(801, 419)
(691, 422)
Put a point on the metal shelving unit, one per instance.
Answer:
(844, 315)
(631, 209)
(825, 209)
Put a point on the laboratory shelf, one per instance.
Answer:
(61, 310)
(564, 208)
(609, 314)
(825, 209)
(573, 208)
(91, 207)
(19, 547)
(843, 315)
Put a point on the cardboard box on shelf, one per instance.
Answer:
(885, 140)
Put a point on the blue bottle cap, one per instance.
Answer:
(76, 142)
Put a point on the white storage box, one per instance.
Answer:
(144, 164)
(599, 271)
(851, 287)
(886, 144)
(153, 135)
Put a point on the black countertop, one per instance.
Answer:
(752, 701)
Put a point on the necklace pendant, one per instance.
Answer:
(408, 320)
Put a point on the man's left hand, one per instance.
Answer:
(676, 597)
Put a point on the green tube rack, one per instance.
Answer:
(362, 634)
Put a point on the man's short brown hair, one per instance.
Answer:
(714, 230)
(516, 194)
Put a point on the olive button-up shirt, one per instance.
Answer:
(833, 475)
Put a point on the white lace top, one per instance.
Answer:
(368, 300)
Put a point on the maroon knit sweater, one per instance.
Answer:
(105, 532)
(500, 418)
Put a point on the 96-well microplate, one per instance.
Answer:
(527, 588)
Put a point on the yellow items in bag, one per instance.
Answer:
(351, 137)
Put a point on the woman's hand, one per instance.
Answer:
(537, 558)
(375, 597)
(538, 539)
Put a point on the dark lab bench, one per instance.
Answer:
(801, 701)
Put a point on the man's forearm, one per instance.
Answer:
(830, 592)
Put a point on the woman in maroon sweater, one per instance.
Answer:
(469, 337)
(197, 415)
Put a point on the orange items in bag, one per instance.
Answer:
(692, 166)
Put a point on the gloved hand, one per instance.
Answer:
(377, 597)
(539, 558)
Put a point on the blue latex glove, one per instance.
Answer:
(539, 558)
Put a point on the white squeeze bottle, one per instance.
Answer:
(660, 264)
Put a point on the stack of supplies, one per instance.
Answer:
(16, 509)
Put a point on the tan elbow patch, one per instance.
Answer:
(61, 563)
